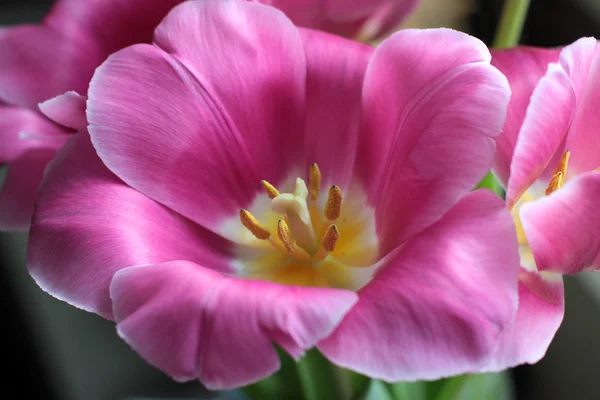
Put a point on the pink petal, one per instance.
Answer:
(216, 125)
(583, 140)
(437, 309)
(547, 120)
(110, 24)
(38, 63)
(428, 95)
(22, 130)
(366, 19)
(524, 67)
(67, 109)
(88, 225)
(563, 229)
(192, 322)
(541, 310)
(335, 74)
(20, 188)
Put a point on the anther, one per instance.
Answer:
(314, 182)
(252, 224)
(285, 234)
(334, 203)
(558, 178)
(555, 183)
(331, 237)
(272, 192)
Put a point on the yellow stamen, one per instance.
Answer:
(558, 178)
(314, 182)
(285, 234)
(555, 183)
(330, 239)
(253, 225)
(272, 192)
(334, 203)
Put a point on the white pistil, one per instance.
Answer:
(294, 207)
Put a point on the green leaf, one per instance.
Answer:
(490, 182)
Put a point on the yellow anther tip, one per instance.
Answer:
(252, 224)
(272, 192)
(314, 181)
(285, 234)
(333, 207)
(330, 238)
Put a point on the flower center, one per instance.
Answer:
(558, 177)
(309, 238)
(556, 182)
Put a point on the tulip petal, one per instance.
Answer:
(544, 129)
(38, 63)
(335, 73)
(67, 109)
(428, 95)
(583, 140)
(20, 188)
(523, 67)
(192, 322)
(111, 24)
(438, 307)
(563, 229)
(22, 130)
(88, 224)
(540, 313)
(216, 125)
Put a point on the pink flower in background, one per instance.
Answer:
(362, 240)
(39, 62)
(363, 20)
(547, 157)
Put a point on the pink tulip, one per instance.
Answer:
(547, 157)
(39, 62)
(379, 255)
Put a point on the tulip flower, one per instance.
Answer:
(547, 159)
(246, 183)
(40, 62)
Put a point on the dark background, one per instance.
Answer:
(53, 351)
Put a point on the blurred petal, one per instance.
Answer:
(38, 63)
(216, 125)
(88, 225)
(20, 188)
(523, 67)
(192, 322)
(67, 109)
(541, 309)
(438, 307)
(335, 73)
(22, 130)
(111, 24)
(428, 95)
(563, 229)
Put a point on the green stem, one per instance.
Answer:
(317, 377)
(452, 388)
(511, 23)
